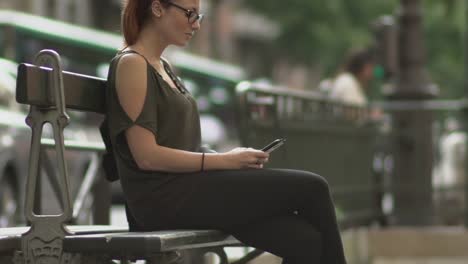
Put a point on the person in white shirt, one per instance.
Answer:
(449, 174)
(349, 86)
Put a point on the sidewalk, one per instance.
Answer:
(405, 245)
(400, 245)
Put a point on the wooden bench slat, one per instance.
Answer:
(10, 237)
(77, 229)
(146, 243)
(31, 88)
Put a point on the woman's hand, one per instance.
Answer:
(240, 158)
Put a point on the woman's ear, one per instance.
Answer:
(156, 8)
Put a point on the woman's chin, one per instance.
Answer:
(182, 44)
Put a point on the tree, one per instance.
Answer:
(444, 28)
(320, 32)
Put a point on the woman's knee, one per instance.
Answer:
(303, 184)
(317, 183)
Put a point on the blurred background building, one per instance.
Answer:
(295, 47)
(294, 51)
(237, 35)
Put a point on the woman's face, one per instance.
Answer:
(175, 23)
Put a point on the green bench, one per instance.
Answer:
(49, 92)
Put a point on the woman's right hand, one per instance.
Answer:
(240, 158)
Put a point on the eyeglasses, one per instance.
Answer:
(192, 15)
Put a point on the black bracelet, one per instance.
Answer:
(203, 161)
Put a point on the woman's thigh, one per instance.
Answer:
(226, 199)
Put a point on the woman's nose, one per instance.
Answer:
(196, 25)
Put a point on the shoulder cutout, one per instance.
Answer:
(131, 83)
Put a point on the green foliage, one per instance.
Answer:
(444, 28)
(320, 32)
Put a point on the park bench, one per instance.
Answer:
(49, 92)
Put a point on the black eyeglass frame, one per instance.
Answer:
(189, 13)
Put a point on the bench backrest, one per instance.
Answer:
(49, 92)
(82, 92)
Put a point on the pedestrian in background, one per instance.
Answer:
(351, 83)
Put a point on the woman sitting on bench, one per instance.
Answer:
(170, 183)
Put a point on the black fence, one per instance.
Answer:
(354, 149)
(334, 140)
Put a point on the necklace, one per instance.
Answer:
(176, 80)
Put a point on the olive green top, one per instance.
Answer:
(170, 114)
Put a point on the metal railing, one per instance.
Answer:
(449, 189)
(352, 150)
(334, 140)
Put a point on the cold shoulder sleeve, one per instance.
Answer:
(170, 114)
(118, 119)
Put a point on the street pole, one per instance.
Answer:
(465, 111)
(412, 138)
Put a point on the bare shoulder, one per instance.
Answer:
(131, 63)
(131, 82)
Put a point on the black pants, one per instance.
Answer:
(288, 213)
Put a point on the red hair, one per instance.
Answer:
(134, 15)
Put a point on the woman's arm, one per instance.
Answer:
(151, 156)
(131, 85)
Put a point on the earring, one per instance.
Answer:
(156, 9)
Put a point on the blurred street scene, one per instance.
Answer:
(370, 94)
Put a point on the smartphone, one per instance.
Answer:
(274, 145)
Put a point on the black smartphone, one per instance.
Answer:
(274, 145)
